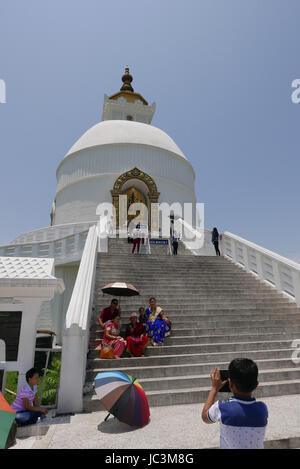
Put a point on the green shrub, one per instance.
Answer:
(51, 382)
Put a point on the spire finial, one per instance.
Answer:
(127, 79)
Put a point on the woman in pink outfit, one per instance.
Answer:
(112, 337)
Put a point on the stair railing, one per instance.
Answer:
(195, 239)
(76, 330)
(278, 271)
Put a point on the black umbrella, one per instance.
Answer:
(120, 289)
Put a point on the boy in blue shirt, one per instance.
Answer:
(243, 420)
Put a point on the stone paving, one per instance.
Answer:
(170, 427)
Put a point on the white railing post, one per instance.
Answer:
(296, 285)
(233, 250)
(259, 265)
(35, 250)
(103, 235)
(77, 243)
(246, 257)
(276, 274)
(76, 331)
(51, 249)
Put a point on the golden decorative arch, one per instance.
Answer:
(134, 173)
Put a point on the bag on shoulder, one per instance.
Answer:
(107, 351)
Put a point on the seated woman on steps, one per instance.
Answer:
(112, 337)
(136, 337)
(158, 325)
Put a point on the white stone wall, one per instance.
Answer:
(121, 108)
(45, 318)
(86, 178)
(60, 303)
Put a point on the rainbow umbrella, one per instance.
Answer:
(123, 397)
(7, 416)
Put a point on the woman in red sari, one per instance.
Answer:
(136, 337)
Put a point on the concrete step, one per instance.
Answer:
(194, 395)
(199, 381)
(202, 278)
(123, 260)
(214, 302)
(139, 272)
(203, 380)
(116, 267)
(211, 324)
(183, 287)
(199, 395)
(185, 280)
(143, 372)
(208, 295)
(209, 312)
(147, 265)
(220, 304)
(186, 358)
(152, 263)
(96, 331)
(183, 318)
(190, 340)
(219, 347)
(210, 339)
(231, 322)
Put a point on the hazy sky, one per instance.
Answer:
(220, 73)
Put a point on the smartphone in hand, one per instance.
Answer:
(224, 377)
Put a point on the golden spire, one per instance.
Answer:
(127, 92)
(127, 79)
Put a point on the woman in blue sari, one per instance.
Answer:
(158, 325)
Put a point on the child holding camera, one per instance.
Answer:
(243, 420)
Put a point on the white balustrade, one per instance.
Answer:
(63, 250)
(278, 271)
(52, 233)
(76, 330)
(197, 240)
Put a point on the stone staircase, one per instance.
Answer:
(218, 312)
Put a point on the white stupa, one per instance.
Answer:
(122, 154)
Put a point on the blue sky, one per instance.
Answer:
(220, 73)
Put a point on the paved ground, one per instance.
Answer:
(170, 427)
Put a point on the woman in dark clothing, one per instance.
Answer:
(215, 240)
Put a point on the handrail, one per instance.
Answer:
(199, 243)
(276, 270)
(43, 234)
(76, 331)
(64, 249)
(169, 247)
